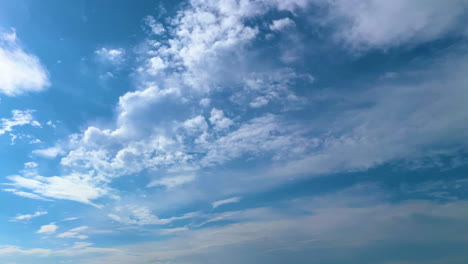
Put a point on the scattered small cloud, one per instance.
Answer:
(19, 118)
(27, 217)
(48, 229)
(226, 201)
(49, 153)
(70, 219)
(74, 233)
(173, 181)
(113, 56)
(282, 24)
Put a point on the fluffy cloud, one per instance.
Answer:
(48, 229)
(282, 24)
(172, 147)
(146, 138)
(22, 72)
(218, 120)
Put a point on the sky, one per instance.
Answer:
(234, 131)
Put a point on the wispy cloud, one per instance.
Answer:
(74, 233)
(27, 217)
(19, 118)
(226, 201)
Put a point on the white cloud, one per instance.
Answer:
(261, 88)
(282, 24)
(385, 24)
(201, 38)
(22, 72)
(113, 56)
(27, 217)
(48, 229)
(317, 226)
(156, 28)
(19, 118)
(405, 122)
(205, 102)
(70, 218)
(218, 120)
(49, 153)
(226, 201)
(30, 165)
(74, 233)
(155, 65)
(259, 136)
(25, 137)
(76, 187)
(147, 138)
(25, 194)
(78, 249)
(173, 230)
(173, 181)
(196, 124)
(141, 215)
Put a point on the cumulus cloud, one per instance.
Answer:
(218, 120)
(48, 229)
(282, 24)
(146, 138)
(22, 72)
(201, 38)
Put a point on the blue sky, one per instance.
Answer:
(234, 131)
